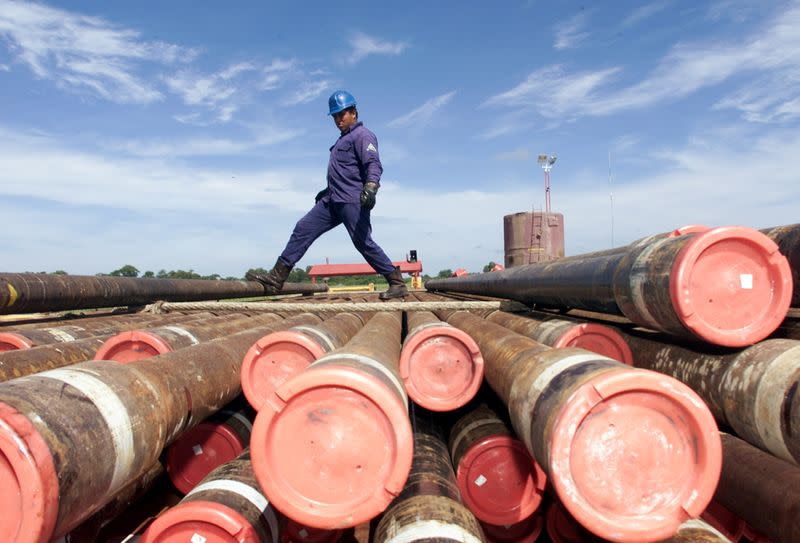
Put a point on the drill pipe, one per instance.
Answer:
(429, 507)
(70, 438)
(762, 490)
(30, 292)
(197, 452)
(16, 339)
(565, 332)
(721, 518)
(789, 329)
(441, 366)
(144, 343)
(227, 501)
(788, 239)
(277, 357)
(524, 531)
(19, 363)
(343, 420)
(499, 480)
(753, 391)
(729, 286)
(660, 456)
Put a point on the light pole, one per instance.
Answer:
(546, 162)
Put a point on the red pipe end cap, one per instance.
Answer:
(29, 495)
(525, 531)
(201, 450)
(337, 449)
(441, 367)
(130, 346)
(9, 341)
(201, 522)
(731, 286)
(274, 359)
(721, 518)
(499, 481)
(597, 339)
(294, 532)
(633, 454)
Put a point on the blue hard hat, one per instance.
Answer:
(340, 100)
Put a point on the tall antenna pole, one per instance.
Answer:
(611, 196)
(546, 162)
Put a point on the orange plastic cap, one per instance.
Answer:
(499, 481)
(335, 449)
(441, 367)
(525, 531)
(127, 347)
(731, 286)
(201, 450)
(597, 338)
(272, 360)
(29, 496)
(9, 341)
(633, 454)
(201, 522)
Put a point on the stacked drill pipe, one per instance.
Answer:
(762, 490)
(729, 286)
(560, 332)
(29, 338)
(30, 293)
(143, 343)
(441, 366)
(499, 480)
(788, 239)
(227, 506)
(20, 363)
(276, 357)
(752, 391)
(332, 447)
(295, 532)
(789, 329)
(199, 451)
(525, 531)
(70, 438)
(429, 507)
(632, 453)
(723, 519)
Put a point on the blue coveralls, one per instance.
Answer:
(354, 161)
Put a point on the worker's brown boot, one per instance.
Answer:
(397, 287)
(274, 279)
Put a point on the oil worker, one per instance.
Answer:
(354, 174)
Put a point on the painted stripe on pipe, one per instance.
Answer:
(182, 332)
(637, 281)
(468, 428)
(318, 334)
(698, 524)
(544, 379)
(113, 411)
(60, 335)
(247, 492)
(372, 363)
(240, 417)
(433, 530)
(770, 397)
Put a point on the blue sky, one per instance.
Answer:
(191, 135)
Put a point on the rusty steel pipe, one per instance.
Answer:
(498, 479)
(429, 507)
(441, 366)
(276, 357)
(762, 490)
(789, 329)
(152, 341)
(64, 333)
(29, 292)
(525, 531)
(70, 438)
(723, 520)
(344, 420)
(788, 239)
(560, 332)
(227, 505)
(753, 391)
(728, 286)
(632, 453)
(219, 439)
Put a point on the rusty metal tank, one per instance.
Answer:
(531, 237)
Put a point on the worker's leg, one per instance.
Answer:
(315, 223)
(357, 222)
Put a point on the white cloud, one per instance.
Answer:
(514, 155)
(80, 52)
(5, 68)
(422, 115)
(644, 12)
(307, 92)
(274, 74)
(571, 33)
(364, 46)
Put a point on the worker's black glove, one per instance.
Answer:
(368, 194)
(320, 195)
